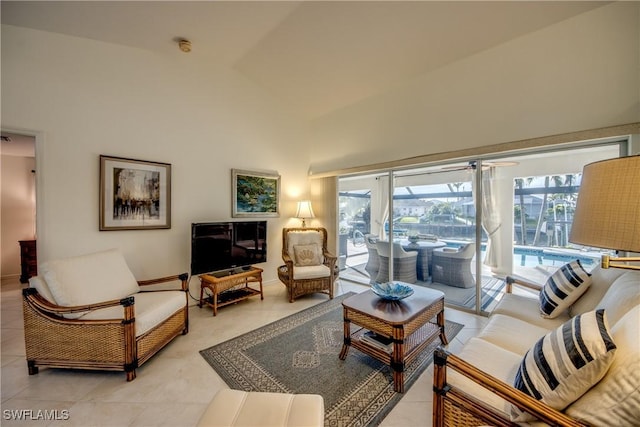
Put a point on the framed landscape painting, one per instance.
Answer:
(134, 194)
(255, 194)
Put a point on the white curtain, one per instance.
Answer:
(491, 220)
(380, 207)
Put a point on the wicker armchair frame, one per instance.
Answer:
(299, 287)
(56, 341)
(454, 407)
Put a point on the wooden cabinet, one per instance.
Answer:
(28, 260)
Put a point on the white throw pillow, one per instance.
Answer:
(307, 255)
(563, 288)
(567, 362)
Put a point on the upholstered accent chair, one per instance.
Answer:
(404, 263)
(373, 262)
(89, 312)
(453, 266)
(309, 266)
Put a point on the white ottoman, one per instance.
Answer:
(252, 409)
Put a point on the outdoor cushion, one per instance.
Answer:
(563, 288)
(89, 279)
(617, 395)
(308, 254)
(151, 309)
(311, 272)
(566, 362)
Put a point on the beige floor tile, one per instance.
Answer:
(174, 387)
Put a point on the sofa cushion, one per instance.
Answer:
(306, 255)
(566, 362)
(89, 279)
(617, 395)
(601, 280)
(623, 295)
(502, 364)
(295, 238)
(528, 310)
(512, 334)
(311, 272)
(240, 408)
(40, 285)
(563, 288)
(150, 309)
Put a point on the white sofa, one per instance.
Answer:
(475, 386)
(89, 312)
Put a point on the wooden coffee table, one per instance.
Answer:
(408, 323)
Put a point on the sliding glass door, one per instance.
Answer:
(462, 227)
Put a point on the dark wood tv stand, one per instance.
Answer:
(229, 287)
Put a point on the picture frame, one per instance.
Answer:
(134, 194)
(255, 193)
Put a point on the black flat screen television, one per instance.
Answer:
(222, 246)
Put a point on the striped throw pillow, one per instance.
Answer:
(563, 288)
(567, 362)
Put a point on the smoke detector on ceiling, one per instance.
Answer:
(185, 45)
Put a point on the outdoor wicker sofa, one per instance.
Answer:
(475, 387)
(89, 312)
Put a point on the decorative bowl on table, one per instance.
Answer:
(413, 239)
(392, 291)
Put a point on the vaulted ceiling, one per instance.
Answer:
(318, 56)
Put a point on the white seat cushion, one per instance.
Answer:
(311, 272)
(248, 409)
(502, 364)
(151, 309)
(89, 279)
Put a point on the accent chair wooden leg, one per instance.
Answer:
(33, 369)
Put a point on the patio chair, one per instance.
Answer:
(373, 262)
(309, 266)
(453, 267)
(404, 263)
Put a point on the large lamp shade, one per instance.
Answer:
(608, 209)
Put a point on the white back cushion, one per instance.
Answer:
(623, 295)
(89, 279)
(295, 238)
(601, 280)
(40, 285)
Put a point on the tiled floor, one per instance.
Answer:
(174, 387)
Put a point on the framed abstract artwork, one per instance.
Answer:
(134, 194)
(255, 193)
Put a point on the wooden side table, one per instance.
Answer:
(407, 323)
(229, 287)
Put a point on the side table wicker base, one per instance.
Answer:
(229, 288)
(408, 323)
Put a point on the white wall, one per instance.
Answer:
(85, 98)
(580, 74)
(18, 209)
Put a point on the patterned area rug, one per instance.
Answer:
(299, 354)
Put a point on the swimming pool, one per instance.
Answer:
(527, 256)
